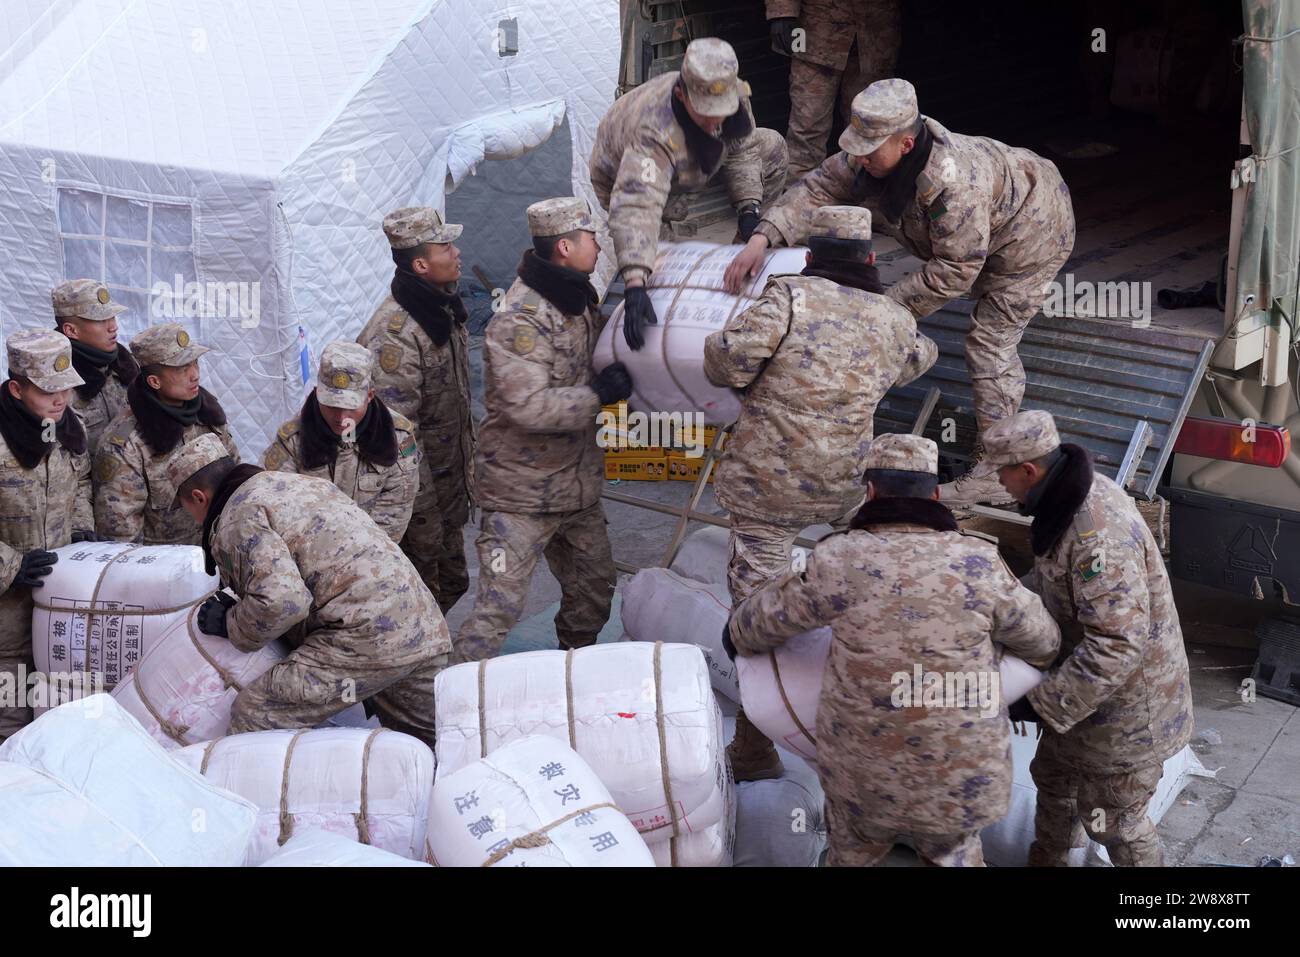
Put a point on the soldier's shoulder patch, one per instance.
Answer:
(390, 357)
(525, 339)
(400, 422)
(530, 302)
(1090, 567)
(408, 446)
(397, 321)
(105, 467)
(276, 456)
(288, 429)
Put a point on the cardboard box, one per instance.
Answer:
(687, 435)
(683, 468)
(636, 466)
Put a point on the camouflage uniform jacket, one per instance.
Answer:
(384, 492)
(975, 200)
(1120, 691)
(537, 449)
(814, 358)
(832, 28)
(642, 157)
(899, 596)
(134, 501)
(297, 551)
(97, 412)
(427, 383)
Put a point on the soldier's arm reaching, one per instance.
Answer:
(1114, 608)
(121, 496)
(519, 357)
(398, 369)
(272, 595)
(789, 220)
(735, 355)
(279, 456)
(1021, 623)
(636, 205)
(924, 354)
(392, 508)
(796, 602)
(959, 242)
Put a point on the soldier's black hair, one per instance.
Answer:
(544, 246)
(826, 249)
(898, 483)
(404, 257)
(207, 478)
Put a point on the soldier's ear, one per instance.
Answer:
(15, 390)
(153, 382)
(871, 490)
(69, 329)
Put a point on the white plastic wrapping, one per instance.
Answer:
(661, 605)
(531, 803)
(85, 786)
(369, 786)
(316, 848)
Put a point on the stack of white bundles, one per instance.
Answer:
(1006, 843)
(105, 604)
(315, 848)
(370, 786)
(703, 555)
(85, 786)
(642, 715)
(688, 296)
(532, 803)
(780, 690)
(713, 846)
(660, 605)
(183, 688)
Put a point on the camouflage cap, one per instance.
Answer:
(166, 344)
(842, 222)
(884, 108)
(344, 379)
(554, 217)
(194, 455)
(1020, 438)
(710, 73)
(903, 453)
(84, 299)
(414, 225)
(45, 357)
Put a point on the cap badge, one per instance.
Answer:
(102, 296)
(341, 380)
(61, 362)
(182, 338)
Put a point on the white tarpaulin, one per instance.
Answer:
(253, 148)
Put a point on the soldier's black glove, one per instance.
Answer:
(782, 31)
(727, 646)
(84, 535)
(638, 311)
(1022, 710)
(613, 383)
(747, 222)
(35, 566)
(212, 615)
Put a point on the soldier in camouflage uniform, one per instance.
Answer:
(672, 136)
(814, 355)
(846, 45)
(989, 220)
(166, 407)
(1118, 701)
(347, 436)
(86, 313)
(421, 347)
(539, 470)
(905, 591)
(310, 566)
(44, 492)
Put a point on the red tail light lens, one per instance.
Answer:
(1233, 441)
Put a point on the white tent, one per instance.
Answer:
(252, 147)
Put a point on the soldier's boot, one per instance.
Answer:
(753, 757)
(979, 486)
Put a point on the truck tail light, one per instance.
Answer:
(1234, 441)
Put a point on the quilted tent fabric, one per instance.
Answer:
(253, 148)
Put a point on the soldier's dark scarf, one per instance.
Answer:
(95, 366)
(433, 308)
(905, 510)
(846, 273)
(897, 189)
(1055, 500)
(22, 431)
(705, 147)
(220, 496)
(376, 438)
(568, 290)
(163, 426)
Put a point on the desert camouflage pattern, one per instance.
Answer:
(1022, 437)
(576, 548)
(39, 508)
(308, 564)
(384, 492)
(989, 220)
(134, 497)
(857, 844)
(99, 410)
(814, 359)
(430, 386)
(900, 596)
(641, 161)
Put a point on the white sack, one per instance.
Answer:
(85, 786)
(537, 791)
(316, 848)
(781, 822)
(660, 605)
(154, 586)
(605, 696)
(369, 786)
(703, 555)
(690, 301)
